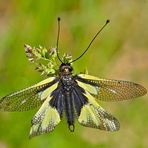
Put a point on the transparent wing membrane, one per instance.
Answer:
(110, 90)
(28, 98)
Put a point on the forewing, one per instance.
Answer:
(110, 90)
(93, 115)
(30, 97)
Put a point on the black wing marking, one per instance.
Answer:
(57, 99)
(110, 90)
(79, 98)
(28, 98)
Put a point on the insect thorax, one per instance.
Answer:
(65, 73)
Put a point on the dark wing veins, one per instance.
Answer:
(25, 99)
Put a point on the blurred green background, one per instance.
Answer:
(120, 52)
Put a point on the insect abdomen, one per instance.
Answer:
(69, 110)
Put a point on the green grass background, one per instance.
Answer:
(120, 52)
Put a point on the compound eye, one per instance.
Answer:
(70, 69)
(63, 69)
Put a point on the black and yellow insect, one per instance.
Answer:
(74, 94)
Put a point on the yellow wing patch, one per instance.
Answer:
(93, 115)
(91, 89)
(43, 95)
(85, 76)
(48, 80)
(44, 120)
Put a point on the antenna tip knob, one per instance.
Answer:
(58, 18)
(107, 21)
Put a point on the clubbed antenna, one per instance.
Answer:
(57, 50)
(107, 21)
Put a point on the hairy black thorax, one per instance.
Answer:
(68, 96)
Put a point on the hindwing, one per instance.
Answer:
(45, 119)
(93, 115)
(49, 114)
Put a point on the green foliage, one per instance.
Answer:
(120, 52)
(45, 59)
